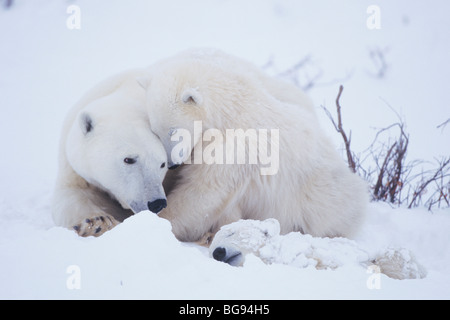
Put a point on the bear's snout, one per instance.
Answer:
(232, 257)
(157, 205)
(219, 253)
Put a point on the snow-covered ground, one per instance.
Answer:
(141, 259)
(45, 67)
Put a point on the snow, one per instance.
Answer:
(45, 68)
(141, 259)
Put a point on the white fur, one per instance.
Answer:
(313, 192)
(106, 126)
(263, 239)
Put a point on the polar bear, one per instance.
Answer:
(235, 241)
(195, 99)
(111, 164)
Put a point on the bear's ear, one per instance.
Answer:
(192, 96)
(86, 123)
(143, 81)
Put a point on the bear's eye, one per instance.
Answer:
(129, 160)
(163, 165)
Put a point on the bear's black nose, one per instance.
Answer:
(174, 166)
(157, 205)
(219, 253)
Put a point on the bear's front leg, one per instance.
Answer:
(95, 226)
(86, 210)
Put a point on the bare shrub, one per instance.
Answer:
(304, 74)
(433, 187)
(392, 178)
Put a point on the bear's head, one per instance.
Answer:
(116, 151)
(184, 99)
(234, 241)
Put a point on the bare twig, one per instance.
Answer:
(443, 124)
(268, 64)
(296, 67)
(396, 185)
(304, 74)
(378, 195)
(351, 162)
(339, 128)
(377, 55)
(437, 175)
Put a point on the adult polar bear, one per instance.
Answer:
(110, 162)
(313, 191)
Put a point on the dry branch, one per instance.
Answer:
(340, 129)
(443, 124)
(378, 192)
(439, 174)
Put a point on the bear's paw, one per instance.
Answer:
(95, 226)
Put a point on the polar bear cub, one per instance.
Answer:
(111, 164)
(262, 238)
(207, 94)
